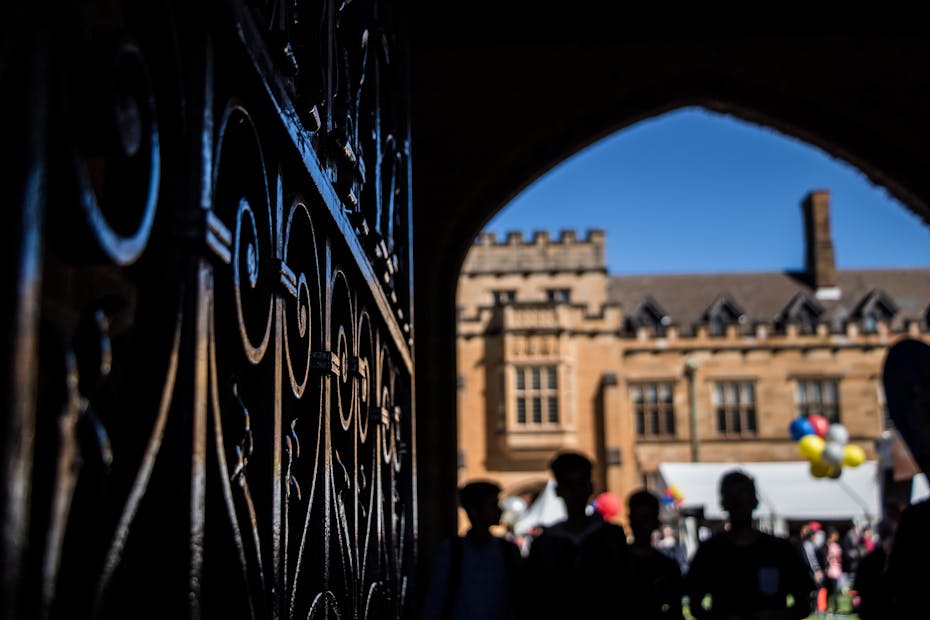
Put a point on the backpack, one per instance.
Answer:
(512, 559)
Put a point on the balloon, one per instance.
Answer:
(838, 433)
(853, 455)
(608, 504)
(811, 446)
(820, 424)
(799, 427)
(832, 453)
(820, 469)
(835, 473)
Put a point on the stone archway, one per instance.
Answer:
(497, 104)
(499, 93)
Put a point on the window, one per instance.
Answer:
(723, 312)
(537, 396)
(649, 314)
(819, 396)
(558, 295)
(654, 410)
(874, 308)
(735, 408)
(803, 311)
(504, 297)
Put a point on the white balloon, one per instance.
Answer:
(837, 433)
(832, 453)
(514, 505)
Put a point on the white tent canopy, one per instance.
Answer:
(920, 489)
(547, 509)
(786, 490)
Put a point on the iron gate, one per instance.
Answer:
(208, 295)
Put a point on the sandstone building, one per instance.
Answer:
(555, 353)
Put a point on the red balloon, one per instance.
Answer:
(608, 504)
(820, 424)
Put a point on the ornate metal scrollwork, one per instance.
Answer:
(217, 326)
(117, 156)
(342, 62)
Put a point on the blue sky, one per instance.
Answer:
(694, 191)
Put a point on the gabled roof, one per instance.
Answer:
(763, 295)
(877, 302)
(725, 309)
(801, 306)
(649, 313)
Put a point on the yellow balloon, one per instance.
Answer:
(811, 447)
(853, 455)
(820, 469)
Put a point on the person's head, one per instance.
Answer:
(643, 511)
(572, 472)
(814, 532)
(833, 535)
(738, 497)
(480, 500)
(885, 530)
(819, 538)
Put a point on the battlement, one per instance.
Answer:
(541, 237)
(541, 253)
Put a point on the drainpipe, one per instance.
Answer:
(691, 366)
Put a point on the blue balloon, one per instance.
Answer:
(801, 426)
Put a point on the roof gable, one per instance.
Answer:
(802, 310)
(876, 304)
(724, 309)
(649, 314)
(764, 296)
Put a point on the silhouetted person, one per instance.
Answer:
(657, 583)
(809, 554)
(808, 551)
(478, 575)
(580, 566)
(908, 561)
(871, 581)
(745, 573)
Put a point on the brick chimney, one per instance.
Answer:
(820, 263)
